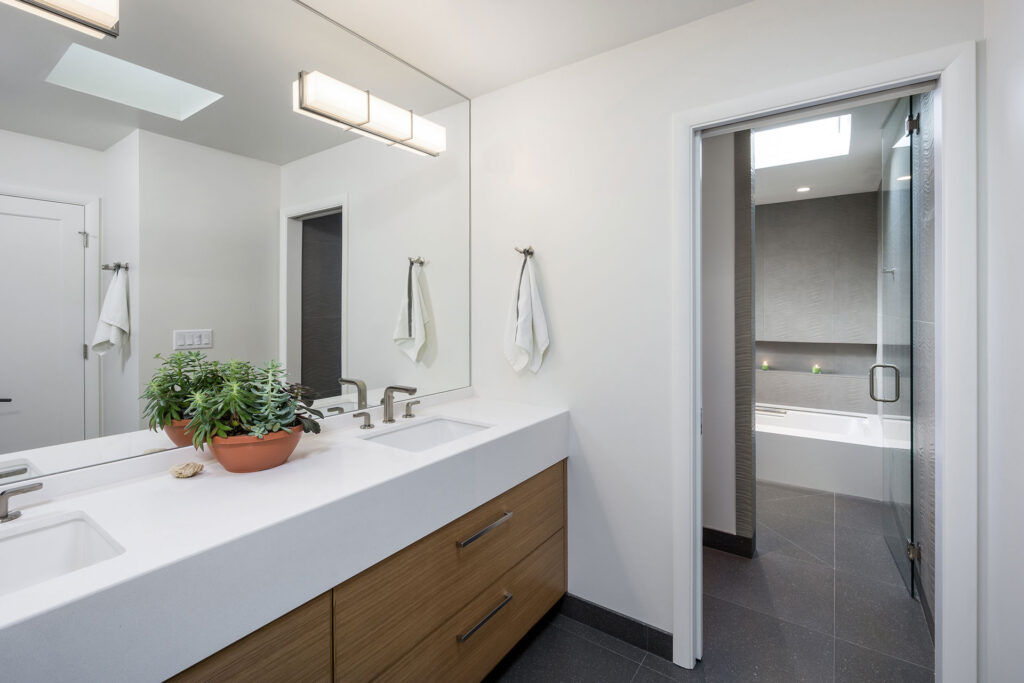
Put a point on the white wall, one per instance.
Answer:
(208, 250)
(399, 205)
(718, 333)
(119, 242)
(1002, 325)
(32, 163)
(578, 163)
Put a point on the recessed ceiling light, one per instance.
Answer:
(803, 189)
(903, 177)
(97, 18)
(100, 75)
(794, 144)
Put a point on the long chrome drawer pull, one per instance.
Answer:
(465, 636)
(487, 529)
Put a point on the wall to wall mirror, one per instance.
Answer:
(174, 159)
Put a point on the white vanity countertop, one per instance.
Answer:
(208, 560)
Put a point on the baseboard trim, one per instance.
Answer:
(728, 543)
(634, 632)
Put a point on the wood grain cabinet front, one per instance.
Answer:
(446, 608)
(382, 613)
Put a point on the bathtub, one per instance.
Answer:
(826, 450)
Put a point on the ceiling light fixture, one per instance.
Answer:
(339, 104)
(803, 189)
(97, 18)
(800, 142)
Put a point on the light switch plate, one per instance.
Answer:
(187, 340)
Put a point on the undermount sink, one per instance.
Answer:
(35, 550)
(426, 433)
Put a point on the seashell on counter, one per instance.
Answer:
(189, 469)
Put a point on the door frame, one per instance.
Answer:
(956, 226)
(93, 410)
(291, 222)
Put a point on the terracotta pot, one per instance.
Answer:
(176, 433)
(252, 454)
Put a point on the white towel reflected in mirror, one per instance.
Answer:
(113, 327)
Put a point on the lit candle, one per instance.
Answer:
(764, 365)
(816, 369)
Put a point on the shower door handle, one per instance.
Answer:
(871, 383)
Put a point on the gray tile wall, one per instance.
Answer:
(321, 304)
(816, 270)
(923, 345)
(743, 179)
(845, 393)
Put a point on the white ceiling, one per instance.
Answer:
(477, 46)
(250, 57)
(860, 171)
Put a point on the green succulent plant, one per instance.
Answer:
(168, 393)
(240, 399)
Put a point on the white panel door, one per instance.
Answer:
(42, 370)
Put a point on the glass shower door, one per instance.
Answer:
(890, 380)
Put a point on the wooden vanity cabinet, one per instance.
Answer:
(446, 608)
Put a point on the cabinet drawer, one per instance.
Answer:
(382, 613)
(296, 647)
(472, 642)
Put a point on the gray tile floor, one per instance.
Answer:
(821, 601)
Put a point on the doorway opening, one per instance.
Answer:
(818, 379)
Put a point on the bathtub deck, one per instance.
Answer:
(822, 599)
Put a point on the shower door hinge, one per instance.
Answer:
(913, 124)
(85, 351)
(85, 238)
(913, 551)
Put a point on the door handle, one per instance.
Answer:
(871, 383)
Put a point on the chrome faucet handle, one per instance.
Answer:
(366, 420)
(408, 409)
(389, 400)
(5, 496)
(360, 386)
(336, 409)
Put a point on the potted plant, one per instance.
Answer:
(169, 392)
(252, 419)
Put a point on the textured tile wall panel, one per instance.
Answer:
(744, 346)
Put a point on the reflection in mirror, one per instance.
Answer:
(242, 208)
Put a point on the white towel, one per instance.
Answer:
(113, 326)
(413, 317)
(526, 330)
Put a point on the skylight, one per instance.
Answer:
(98, 74)
(820, 139)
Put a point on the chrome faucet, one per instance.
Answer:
(5, 496)
(389, 401)
(360, 386)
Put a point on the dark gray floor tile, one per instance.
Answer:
(815, 537)
(767, 490)
(859, 665)
(770, 541)
(743, 645)
(793, 590)
(867, 555)
(860, 513)
(820, 507)
(668, 670)
(619, 647)
(882, 617)
(553, 655)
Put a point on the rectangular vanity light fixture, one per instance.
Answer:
(329, 100)
(800, 142)
(96, 18)
(98, 74)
